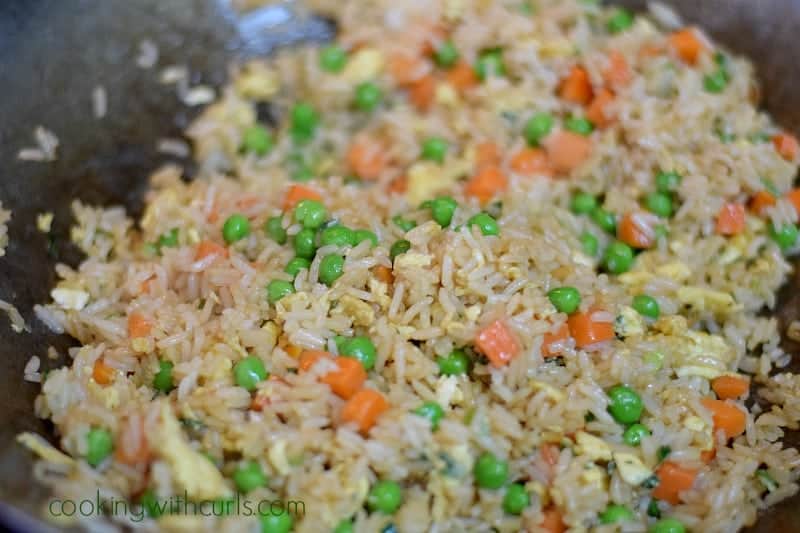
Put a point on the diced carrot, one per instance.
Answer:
(708, 455)
(364, 408)
(207, 248)
(576, 87)
(730, 219)
(367, 158)
(762, 200)
(399, 185)
(567, 151)
(727, 417)
(462, 77)
(730, 387)
(131, 447)
(530, 162)
(598, 112)
(672, 480)
(487, 154)
(138, 325)
(586, 331)
(144, 287)
(552, 521)
(794, 197)
(486, 183)
(632, 232)
(687, 44)
(213, 214)
(497, 343)
(246, 202)
(561, 334)
(786, 145)
(650, 50)
(549, 453)
(102, 373)
(406, 68)
(383, 274)
(260, 401)
(436, 35)
(422, 92)
(296, 193)
(618, 73)
(346, 380)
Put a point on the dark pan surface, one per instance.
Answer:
(53, 52)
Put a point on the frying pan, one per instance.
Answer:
(54, 52)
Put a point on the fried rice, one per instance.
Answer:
(535, 240)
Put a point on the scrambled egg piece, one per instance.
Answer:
(694, 353)
(192, 471)
(453, 10)
(708, 299)
(44, 221)
(592, 447)
(38, 445)
(448, 392)
(677, 270)
(360, 311)
(632, 470)
(364, 65)
(277, 457)
(446, 95)
(412, 259)
(703, 432)
(70, 298)
(551, 392)
(426, 180)
(257, 81)
(593, 475)
(629, 323)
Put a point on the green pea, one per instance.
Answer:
(605, 219)
(385, 497)
(249, 476)
(310, 213)
(273, 227)
(276, 523)
(331, 268)
(168, 239)
(621, 19)
(249, 372)
(149, 502)
(537, 128)
(345, 526)
(653, 509)
(490, 472)
(332, 58)
(399, 247)
(447, 55)
(277, 289)
(624, 404)
(361, 235)
(633, 435)
(434, 149)
(338, 235)
(589, 243)
(360, 348)
(646, 306)
(162, 381)
(304, 119)
(99, 446)
(490, 63)
(257, 140)
(442, 210)
(368, 96)
(667, 525)
(432, 411)
(583, 203)
(516, 499)
(785, 236)
(579, 125)
(295, 265)
(659, 204)
(615, 513)
(403, 224)
(715, 82)
(455, 364)
(485, 222)
(565, 299)
(667, 182)
(304, 243)
(663, 452)
(618, 258)
(235, 228)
